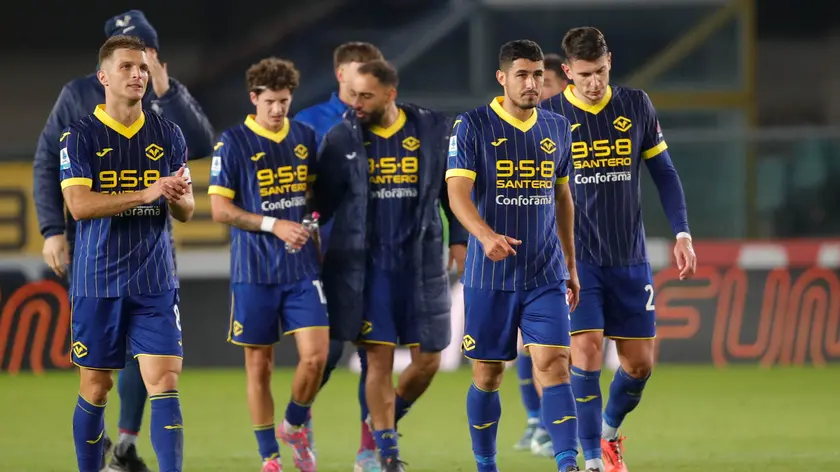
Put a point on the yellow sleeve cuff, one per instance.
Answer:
(460, 173)
(74, 181)
(223, 191)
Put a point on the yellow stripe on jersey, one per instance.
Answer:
(562, 180)
(223, 191)
(277, 137)
(74, 181)
(524, 126)
(594, 109)
(655, 151)
(460, 173)
(386, 133)
(127, 131)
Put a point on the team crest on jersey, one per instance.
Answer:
(411, 143)
(622, 123)
(453, 146)
(154, 152)
(64, 161)
(237, 328)
(216, 166)
(79, 350)
(301, 151)
(468, 344)
(548, 145)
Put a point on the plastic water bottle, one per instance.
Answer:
(310, 222)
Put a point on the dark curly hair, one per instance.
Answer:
(272, 74)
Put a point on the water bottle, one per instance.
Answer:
(310, 222)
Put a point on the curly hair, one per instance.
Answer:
(272, 74)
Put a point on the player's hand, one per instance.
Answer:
(57, 254)
(158, 73)
(291, 232)
(176, 186)
(457, 256)
(686, 259)
(573, 289)
(498, 246)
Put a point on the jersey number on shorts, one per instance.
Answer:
(177, 317)
(649, 306)
(320, 288)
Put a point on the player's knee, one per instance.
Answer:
(314, 362)
(165, 381)
(638, 368)
(551, 366)
(588, 350)
(427, 363)
(488, 375)
(258, 364)
(95, 385)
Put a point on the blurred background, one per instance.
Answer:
(747, 96)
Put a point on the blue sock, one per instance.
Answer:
(296, 414)
(484, 409)
(401, 407)
(625, 395)
(133, 395)
(267, 442)
(88, 431)
(362, 385)
(386, 442)
(167, 428)
(587, 389)
(560, 418)
(525, 372)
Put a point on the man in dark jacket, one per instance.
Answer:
(78, 98)
(380, 179)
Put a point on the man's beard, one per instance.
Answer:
(526, 103)
(373, 118)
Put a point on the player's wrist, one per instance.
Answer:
(683, 235)
(267, 224)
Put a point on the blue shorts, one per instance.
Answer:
(259, 312)
(102, 329)
(616, 300)
(389, 312)
(494, 317)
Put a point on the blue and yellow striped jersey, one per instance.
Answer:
(610, 141)
(516, 165)
(266, 173)
(130, 253)
(393, 167)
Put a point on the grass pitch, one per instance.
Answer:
(691, 419)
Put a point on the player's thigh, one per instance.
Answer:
(304, 315)
(255, 314)
(380, 309)
(589, 314)
(545, 320)
(98, 332)
(491, 320)
(155, 324)
(629, 309)
(405, 317)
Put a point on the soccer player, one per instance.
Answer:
(614, 130)
(508, 185)
(347, 59)
(79, 97)
(116, 165)
(536, 438)
(258, 185)
(380, 177)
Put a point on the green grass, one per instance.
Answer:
(691, 419)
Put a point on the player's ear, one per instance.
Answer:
(500, 77)
(609, 60)
(566, 71)
(392, 94)
(102, 78)
(254, 98)
(339, 74)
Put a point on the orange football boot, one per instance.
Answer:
(613, 455)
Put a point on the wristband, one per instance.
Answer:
(267, 224)
(187, 174)
(684, 235)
